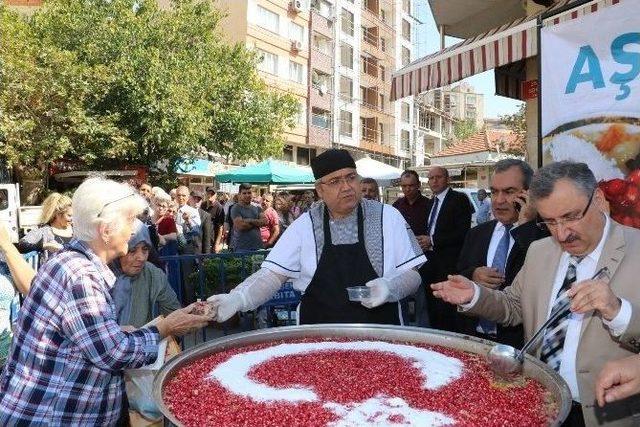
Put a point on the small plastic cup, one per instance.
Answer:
(358, 293)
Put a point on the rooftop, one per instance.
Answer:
(495, 140)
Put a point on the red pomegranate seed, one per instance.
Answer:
(346, 377)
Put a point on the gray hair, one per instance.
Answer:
(546, 178)
(102, 201)
(506, 164)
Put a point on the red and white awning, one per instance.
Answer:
(500, 46)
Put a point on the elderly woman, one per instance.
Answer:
(55, 227)
(140, 285)
(68, 355)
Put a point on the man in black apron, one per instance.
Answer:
(343, 241)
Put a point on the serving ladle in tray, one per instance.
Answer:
(506, 361)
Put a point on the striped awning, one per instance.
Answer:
(500, 46)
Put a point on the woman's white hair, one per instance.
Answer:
(103, 201)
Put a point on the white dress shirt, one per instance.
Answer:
(440, 197)
(498, 232)
(584, 271)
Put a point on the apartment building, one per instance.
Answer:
(461, 102)
(354, 48)
(279, 31)
(434, 127)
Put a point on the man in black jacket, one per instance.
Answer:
(448, 220)
(494, 251)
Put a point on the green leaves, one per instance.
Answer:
(126, 82)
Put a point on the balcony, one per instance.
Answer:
(321, 24)
(319, 136)
(320, 97)
(367, 144)
(321, 61)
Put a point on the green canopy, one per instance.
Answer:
(268, 172)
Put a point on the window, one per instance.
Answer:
(269, 62)
(406, 56)
(320, 118)
(383, 15)
(321, 81)
(471, 100)
(382, 72)
(268, 20)
(346, 56)
(404, 139)
(346, 123)
(302, 114)
(406, 6)
(323, 7)
(346, 88)
(304, 155)
(287, 153)
(381, 102)
(381, 126)
(383, 44)
(321, 43)
(406, 30)
(295, 72)
(370, 65)
(405, 112)
(296, 32)
(346, 22)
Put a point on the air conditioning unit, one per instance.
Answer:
(295, 6)
(296, 45)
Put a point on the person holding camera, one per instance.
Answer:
(494, 251)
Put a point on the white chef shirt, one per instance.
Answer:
(294, 255)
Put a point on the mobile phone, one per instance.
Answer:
(518, 206)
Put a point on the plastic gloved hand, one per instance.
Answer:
(380, 291)
(225, 305)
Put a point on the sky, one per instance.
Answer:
(428, 41)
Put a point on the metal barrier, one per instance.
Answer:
(198, 276)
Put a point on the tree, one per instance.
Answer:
(464, 129)
(517, 122)
(145, 86)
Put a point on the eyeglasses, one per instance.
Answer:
(112, 202)
(569, 220)
(349, 179)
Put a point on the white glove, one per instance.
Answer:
(380, 291)
(225, 305)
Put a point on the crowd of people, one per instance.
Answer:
(540, 239)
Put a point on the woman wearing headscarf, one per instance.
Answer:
(140, 285)
(68, 355)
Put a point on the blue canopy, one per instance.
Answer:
(268, 172)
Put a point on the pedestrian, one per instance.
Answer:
(67, 359)
(599, 320)
(370, 189)
(484, 207)
(247, 220)
(269, 233)
(342, 241)
(216, 211)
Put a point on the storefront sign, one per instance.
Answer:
(530, 89)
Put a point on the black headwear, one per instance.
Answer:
(331, 161)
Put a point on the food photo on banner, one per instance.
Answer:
(590, 100)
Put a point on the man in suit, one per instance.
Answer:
(601, 318)
(448, 221)
(204, 239)
(494, 251)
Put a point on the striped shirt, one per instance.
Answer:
(66, 362)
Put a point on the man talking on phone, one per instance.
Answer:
(494, 251)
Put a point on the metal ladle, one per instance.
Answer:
(505, 360)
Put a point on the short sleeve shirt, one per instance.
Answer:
(274, 219)
(246, 239)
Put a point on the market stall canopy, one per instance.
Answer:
(381, 172)
(268, 172)
(500, 47)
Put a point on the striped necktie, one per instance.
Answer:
(432, 216)
(553, 339)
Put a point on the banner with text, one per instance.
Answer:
(590, 100)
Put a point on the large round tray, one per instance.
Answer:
(532, 367)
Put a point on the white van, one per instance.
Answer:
(18, 219)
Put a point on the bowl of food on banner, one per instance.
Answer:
(611, 148)
(354, 374)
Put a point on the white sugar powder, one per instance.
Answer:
(384, 411)
(436, 368)
(570, 147)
